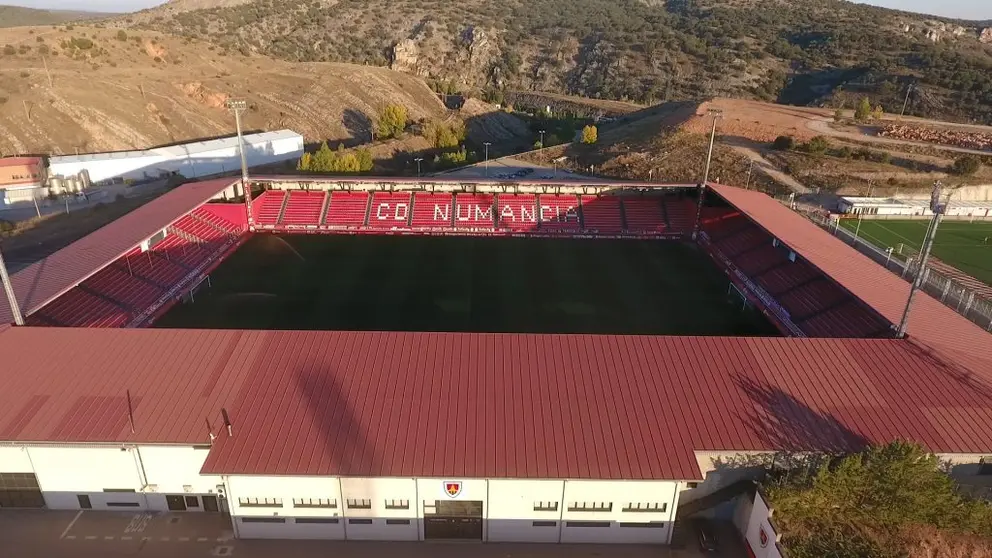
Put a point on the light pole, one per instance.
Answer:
(750, 167)
(15, 309)
(938, 209)
(487, 144)
(418, 160)
(237, 106)
(542, 138)
(717, 114)
(888, 257)
(857, 230)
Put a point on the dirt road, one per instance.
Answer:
(822, 127)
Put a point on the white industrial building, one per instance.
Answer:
(903, 208)
(192, 160)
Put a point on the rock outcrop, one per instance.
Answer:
(985, 36)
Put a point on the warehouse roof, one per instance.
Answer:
(178, 150)
(931, 322)
(19, 161)
(482, 405)
(43, 281)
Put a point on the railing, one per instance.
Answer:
(960, 298)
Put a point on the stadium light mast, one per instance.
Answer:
(418, 160)
(237, 106)
(15, 309)
(487, 144)
(938, 208)
(717, 114)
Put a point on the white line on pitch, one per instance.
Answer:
(71, 523)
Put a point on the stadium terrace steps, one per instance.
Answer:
(644, 215)
(517, 212)
(267, 207)
(347, 209)
(302, 208)
(433, 211)
(324, 206)
(601, 214)
(216, 221)
(474, 211)
(80, 309)
(389, 210)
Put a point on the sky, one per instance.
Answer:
(964, 9)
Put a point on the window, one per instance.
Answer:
(691, 484)
(587, 524)
(590, 506)
(545, 524)
(647, 525)
(123, 505)
(262, 519)
(545, 506)
(260, 502)
(332, 520)
(397, 504)
(359, 522)
(118, 490)
(397, 522)
(649, 507)
(315, 503)
(192, 502)
(356, 504)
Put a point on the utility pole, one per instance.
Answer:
(905, 103)
(418, 160)
(15, 309)
(237, 106)
(750, 167)
(542, 138)
(857, 230)
(717, 114)
(938, 209)
(487, 144)
(27, 111)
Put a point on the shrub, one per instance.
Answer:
(25, 74)
(966, 165)
(816, 146)
(9, 50)
(122, 35)
(863, 111)
(590, 134)
(845, 152)
(784, 143)
(39, 39)
(392, 121)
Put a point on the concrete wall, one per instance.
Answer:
(112, 477)
(753, 520)
(394, 508)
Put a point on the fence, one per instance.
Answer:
(954, 295)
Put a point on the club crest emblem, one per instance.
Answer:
(452, 488)
(762, 537)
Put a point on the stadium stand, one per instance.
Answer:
(645, 215)
(268, 206)
(347, 209)
(517, 212)
(681, 213)
(303, 208)
(432, 211)
(474, 211)
(816, 304)
(602, 214)
(389, 210)
(559, 213)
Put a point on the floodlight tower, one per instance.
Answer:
(237, 106)
(717, 114)
(938, 208)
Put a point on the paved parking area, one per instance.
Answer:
(58, 534)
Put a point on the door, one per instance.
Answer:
(20, 490)
(454, 519)
(175, 503)
(210, 503)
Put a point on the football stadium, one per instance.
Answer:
(422, 359)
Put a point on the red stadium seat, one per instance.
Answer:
(644, 215)
(347, 209)
(433, 211)
(602, 214)
(559, 213)
(390, 210)
(266, 207)
(517, 212)
(303, 208)
(474, 211)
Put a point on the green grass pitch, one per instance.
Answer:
(417, 283)
(958, 243)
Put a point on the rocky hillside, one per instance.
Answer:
(96, 89)
(15, 16)
(817, 52)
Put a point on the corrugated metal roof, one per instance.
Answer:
(931, 322)
(71, 384)
(39, 283)
(20, 161)
(178, 150)
(482, 405)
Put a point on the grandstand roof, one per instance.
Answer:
(41, 282)
(931, 322)
(482, 405)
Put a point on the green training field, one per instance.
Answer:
(416, 283)
(958, 243)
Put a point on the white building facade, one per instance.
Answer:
(192, 160)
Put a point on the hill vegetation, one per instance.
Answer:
(16, 16)
(795, 51)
